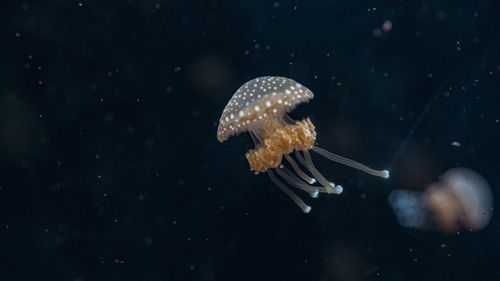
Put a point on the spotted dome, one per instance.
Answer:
(257, 101)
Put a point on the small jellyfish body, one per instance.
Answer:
(260, 108)
(460, 199)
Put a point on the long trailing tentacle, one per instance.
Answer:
(299, 172)
(330, 186)
(290, 178)
(305, 208)
(351, 163)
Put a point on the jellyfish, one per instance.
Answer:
(260, 108)
(461, 198)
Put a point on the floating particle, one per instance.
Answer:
(377, 32)
(387, 26)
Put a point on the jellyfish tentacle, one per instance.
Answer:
(296, 168)
(330, 186)
(310, 166)
(305, 208)
(255, 140)
(290, 178)
(301, 159)
(351, 163)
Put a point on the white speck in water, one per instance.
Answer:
(387, 26)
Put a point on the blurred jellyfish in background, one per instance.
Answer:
(211, 74)
(21, 129)
(343, 261)
(461, 198)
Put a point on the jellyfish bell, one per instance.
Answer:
(461, 198)
(410, 209)
(260, 108)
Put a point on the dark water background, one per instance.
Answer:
(110, 168)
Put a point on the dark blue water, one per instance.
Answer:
(110, 168)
